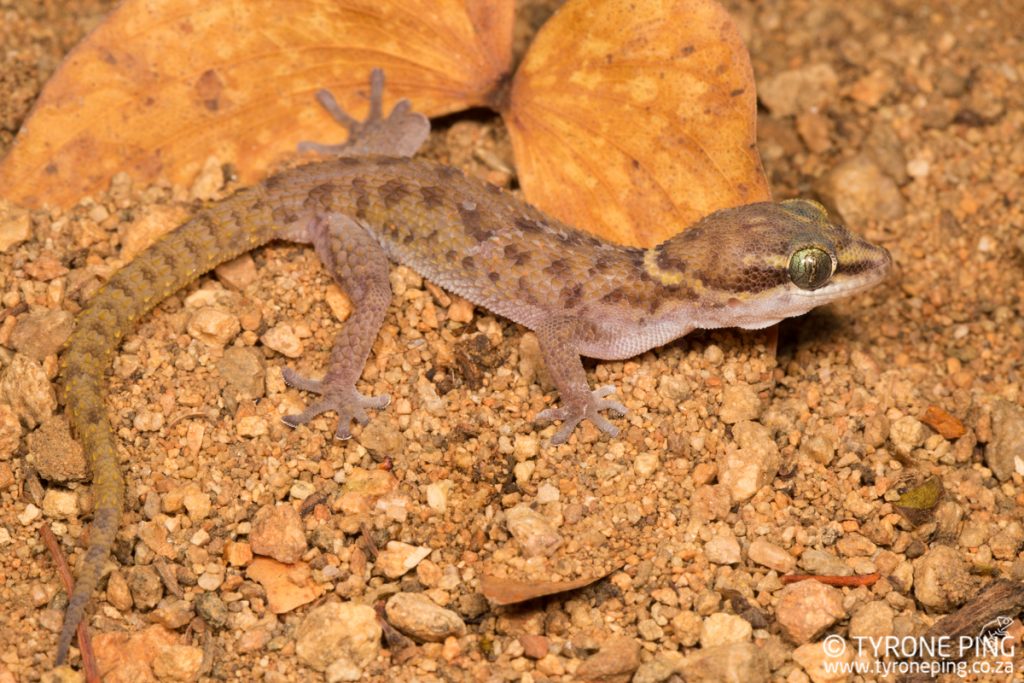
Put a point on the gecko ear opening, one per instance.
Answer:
(806, 209)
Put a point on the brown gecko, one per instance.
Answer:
(748, 267)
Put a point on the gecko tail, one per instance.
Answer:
(101, 541)
(216, 234)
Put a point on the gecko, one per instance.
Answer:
(370, 203)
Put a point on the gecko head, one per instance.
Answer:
(824, 260)
(759, 263)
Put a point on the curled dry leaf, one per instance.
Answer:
(159, 87)
(502, 591)
(944, 423)
(633, 120)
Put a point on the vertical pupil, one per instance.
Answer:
(810, 268)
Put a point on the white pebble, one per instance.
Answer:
(918, 168)
(30, 515)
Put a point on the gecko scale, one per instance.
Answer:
(370, 204)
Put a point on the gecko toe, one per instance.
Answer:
(567, 428)
(613, 406)
(308, 414)
(377, 402)
(588, 408)
(348, 403)
(400, 133)
(294, 379)
(552, 414)
(604, 425)
(326, 100)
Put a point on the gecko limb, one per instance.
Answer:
(401, 134)
(559, 343)
(360, 267)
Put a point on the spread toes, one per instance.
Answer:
(348, 403)
(588, 409)
(400, 133)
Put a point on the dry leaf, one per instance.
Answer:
(918, 504)
(159, 87)
(633, 120)
(502, 591)
(287, 585)
(942, 422)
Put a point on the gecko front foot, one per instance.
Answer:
(587, 409)
(400, 134)
(348, 403)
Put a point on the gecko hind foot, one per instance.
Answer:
(346, 401)
(588, 409)
(400, 134)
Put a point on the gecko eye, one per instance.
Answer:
(810, 268)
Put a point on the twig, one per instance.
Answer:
(1001, 598)
(92, 672)
(863, 580)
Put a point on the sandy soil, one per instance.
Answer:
(733, 468)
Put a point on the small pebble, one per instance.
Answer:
(941, 579)
(213, 326)
(741, 661)
(437, 495)
(397, 558)
(335, 630)
(145, 585)
(1004, 454)
(861, 193)
(416, 615)
(277, 532)
(15, 226)
(60, 504)
(721, 628)
(918, 168)
(282, 338)
(872, 620)
(55, 455)
(907, 433)
(25, 387)
(244, 370)
(534, 533)
(338, 302)
(238, 273)
(821, 663)
(172, 613)
(461, 311)
(807, 608)
(252, 426)
(619, 656)
(534, 646)
(739, 402)
(29, 514)
(798, 90)
(772, 556)
(178, 663)
(10, 432)
(42, 333)
(724, 549)
(746, 469)
(237, 553)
